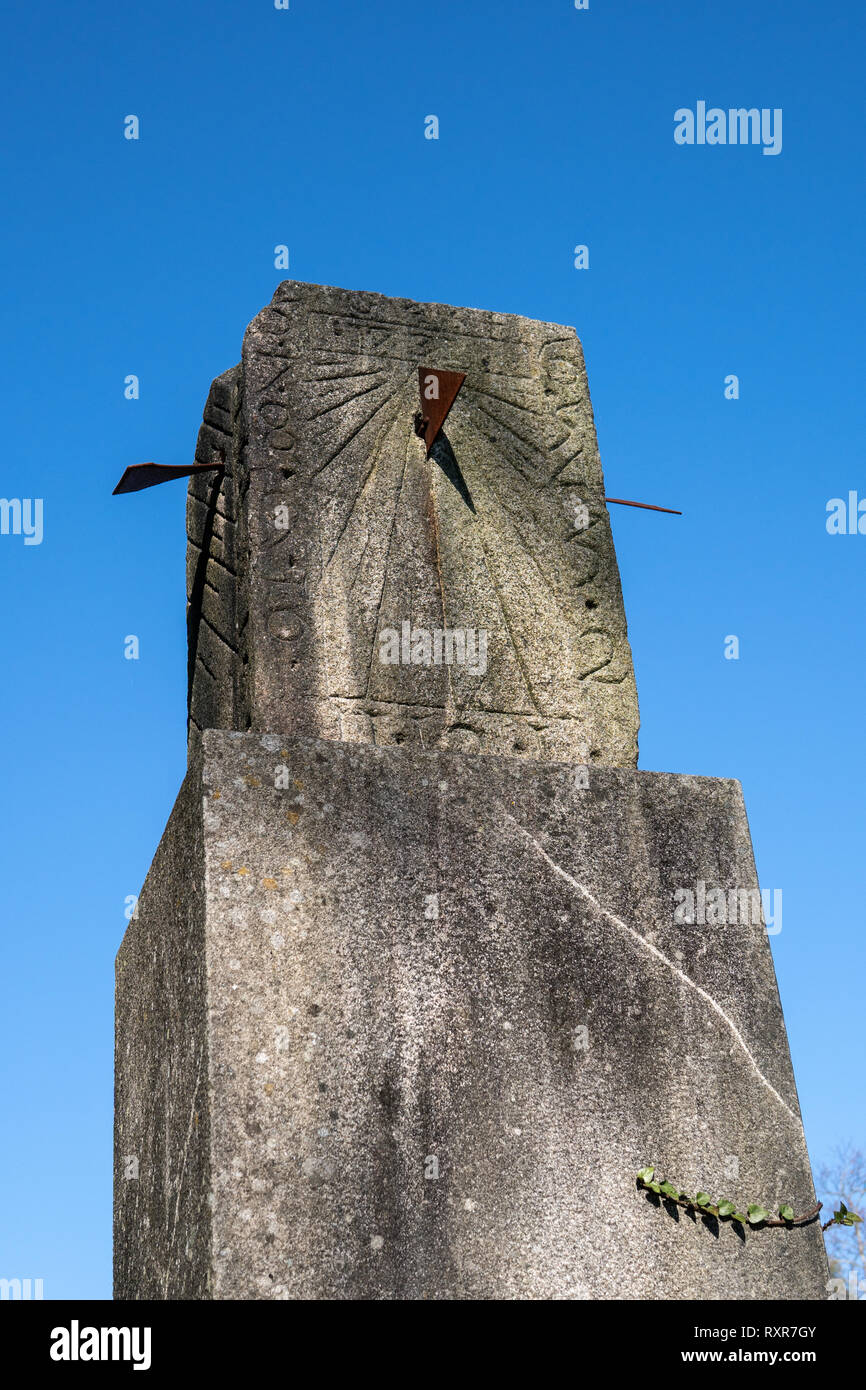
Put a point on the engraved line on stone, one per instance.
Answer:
(375, 454)
(215, 560)
(421, 341)
(266, 386)
(355, 396)
(339, 376)
(517, 450)
(514, 461)
(276, 305)
(515, 405)
(209, 509)
(498, 592)
(399, 494)
(201, 661)
(446, 328)
(517, 654)
(564, 617)
(211, 408)
(216, 632)
(594, 670)
(344, 443)
(547, 721)
(434, 517)
(534, 451)
(554, 342)
(195, 592)
(560, 468)
(327, 357)
(654, 950)
(283, 355)
(360, 565)
(550, 588)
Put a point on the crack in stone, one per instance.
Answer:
(681, 975)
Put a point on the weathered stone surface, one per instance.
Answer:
(395, 956)
(162, 1147)
(331, 529)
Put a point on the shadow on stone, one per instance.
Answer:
(711, 1223)
(444, 456)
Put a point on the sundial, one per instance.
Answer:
(384, 1001)
(374, 463)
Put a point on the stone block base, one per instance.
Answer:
(394, 1024)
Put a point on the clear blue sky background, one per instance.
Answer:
(305, 127)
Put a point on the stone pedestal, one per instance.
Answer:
(396, 1024)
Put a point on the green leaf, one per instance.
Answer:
(738, 1216)
(646, 1174)
(670, 1191)
(654, 1187)
(844, 1217)
(757, 1214)
(786, 1213)
(726, 1208)
(703, 1199)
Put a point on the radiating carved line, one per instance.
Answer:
(360, 565)
(286, 355)
(375, 454)
(505, 452)
(393, 526)
(517, 655)
(344, 443)
(562, 466)
(534, 451)
(434, 518)
(339, 376)
(515, 405)
(355, 396)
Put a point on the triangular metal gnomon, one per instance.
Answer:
(438, 390)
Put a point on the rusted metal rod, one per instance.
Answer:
(650, 507)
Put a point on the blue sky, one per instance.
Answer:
(306, 127)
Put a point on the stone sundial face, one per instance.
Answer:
(331, 530)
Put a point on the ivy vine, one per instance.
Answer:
(755, 1214)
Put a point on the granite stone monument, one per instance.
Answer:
(407, 1001)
